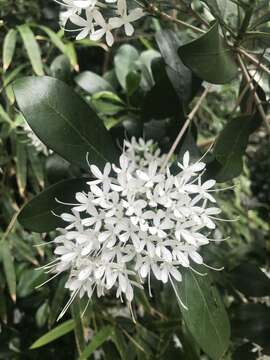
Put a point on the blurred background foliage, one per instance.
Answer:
(124, 85)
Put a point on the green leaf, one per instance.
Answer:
(55, 39)
(231, 146)
(250, 280)
(57, 301)
(61, 69)
(133, 80)
(124, 62)
(9, 269)
(120, 343)
(210, 58)
(92, 83)
(32, 48)
(78, 328)
(144, 63)
(161, 101)
(252, 321)
(63, 121)
(38, 216)
(54, 334)
(97, 340)
(28, 281)
(206, 317)
(9, 48)
(107, 103)
(182, 79)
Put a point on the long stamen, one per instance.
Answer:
(70, 301)
(177, 295)
(212, 268)
(45, 282)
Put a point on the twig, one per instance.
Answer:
(254, 60)
(253, 90)
(244, 91)
(155, 11)
(186, 125)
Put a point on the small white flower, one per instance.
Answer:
(126, 19)
(105, 29)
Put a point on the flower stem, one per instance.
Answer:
(186, 125)
(253, 90)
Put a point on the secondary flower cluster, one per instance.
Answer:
(34, 140)
(88, 15)
(137, 221)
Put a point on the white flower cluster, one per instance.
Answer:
(88, 15)
(34, 140)
(136, 221)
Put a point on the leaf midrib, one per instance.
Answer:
(75, 130)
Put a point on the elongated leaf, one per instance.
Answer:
(231, 146)
(28, 281)
(206, 317)
(9, 269)
(124, 62)
(92, 83)
(78, 325)
(9, 48)
(210, 58)
(57, 301)
(184, 82)
(103, 335)
(54, 334)
(32, 48)
(63, 121)
(55, 39)
(21, 167)
(38, 216)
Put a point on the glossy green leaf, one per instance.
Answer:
(133, 80)
(9, 48)
(250, 280)
(97, 340)
(54, 334)
(180, 76)
(231, 146)
(145, 62)
(92, 83)
(60, 68)
(9, 269)
(32, 48)
(107, 103)
(206, 317)
(63, 121)
(38, 215)
(124, 62)
(210, 58)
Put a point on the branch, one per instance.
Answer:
(186, 125)
(254, 60)
(253, 90)
(155, 11)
